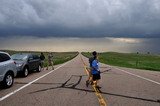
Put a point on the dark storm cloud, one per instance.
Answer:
(83, 18)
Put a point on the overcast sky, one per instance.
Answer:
(80, 18)
(69, 25)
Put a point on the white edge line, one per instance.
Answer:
(138, 76)
(24, 86)
(135, 75)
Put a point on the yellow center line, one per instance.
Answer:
(101, 100)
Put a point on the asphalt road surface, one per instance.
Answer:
(65, 86)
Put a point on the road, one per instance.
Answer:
(65, 86)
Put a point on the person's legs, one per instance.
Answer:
(42, 65)
(89, 80)
(96, 79)
(90, 75)
(52, 65)
(95, 83)
(48, 65)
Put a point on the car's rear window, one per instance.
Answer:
(4, 57)
(35, 57)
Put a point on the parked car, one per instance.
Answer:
(27, 62)
(8, 70)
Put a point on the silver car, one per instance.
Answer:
(8, 70)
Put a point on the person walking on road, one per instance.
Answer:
(50, 61)
(42, 57)
(89, 80)
(95, 71)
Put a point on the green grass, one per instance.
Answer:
(130, 60)
(58, 57)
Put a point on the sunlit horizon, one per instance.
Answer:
(104, 44)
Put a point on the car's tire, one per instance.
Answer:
(39, 69)
(8, 80)
(25, 72)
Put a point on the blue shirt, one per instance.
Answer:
(95, 67)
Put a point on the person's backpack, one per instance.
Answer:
(90, 61)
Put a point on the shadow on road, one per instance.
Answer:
(73, 87)
(67, 86)
(138, 98)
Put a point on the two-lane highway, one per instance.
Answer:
(65, 86)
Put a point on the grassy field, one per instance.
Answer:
(58, 57)
(130, 60)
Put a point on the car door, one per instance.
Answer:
(2, 67)
(3, 64)
(31, 62)
(36, 61)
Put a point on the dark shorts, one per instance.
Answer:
(96, 77)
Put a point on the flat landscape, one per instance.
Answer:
(130, 60)
(124, 33)
(65, 86)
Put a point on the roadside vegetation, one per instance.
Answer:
(130, 60)
(58, 57)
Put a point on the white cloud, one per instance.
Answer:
(126, 40)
